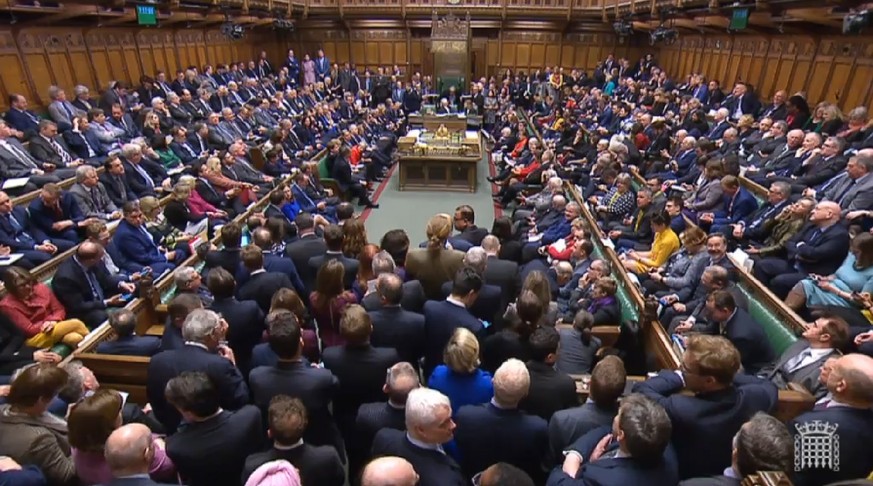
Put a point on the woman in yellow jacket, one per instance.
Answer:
(665, 244)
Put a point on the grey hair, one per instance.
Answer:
(54, 91)
(82, 172)
(74, 388)
(383, 262)
(183, 276)
(421, 407)
(156, 101)
(80, 90)
(476, 258)
(129, 149)
(511, 382)
(200, 324)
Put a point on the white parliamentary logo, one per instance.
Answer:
(817, 446)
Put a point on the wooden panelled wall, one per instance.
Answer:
(33, 59)
(518, 50)
(834, 69)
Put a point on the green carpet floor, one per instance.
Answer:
(410, 210)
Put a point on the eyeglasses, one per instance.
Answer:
(477, 479)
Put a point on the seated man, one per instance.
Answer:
(705, 423)
(19, 117)
(57, 215)
(18, 234)
(738, 204)
(846, 408)
(115, 182)
(136, 246)
(85, 143)
(801, 363)
(634, 450)
(818, 249)
(141, 180)
(86, 289)
(634, 232)
(126, 342)
(91, 196)
(16, 161)
(50, 148)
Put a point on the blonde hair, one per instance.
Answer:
(438, 230)
(461, 354)
(715, 356)
(148, 204)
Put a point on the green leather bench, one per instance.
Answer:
(780, 336)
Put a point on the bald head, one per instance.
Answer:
(128, 450)
(851, 380)
(491, 245)
(389, 471)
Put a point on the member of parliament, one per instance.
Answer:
(436, 243)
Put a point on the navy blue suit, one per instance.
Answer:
(43, 217)
(131, 346)
(434, 468)
(21, 239)
(488, 305)
(400, 329)
(854, 427)
(704, 425)
(811, 250)
(137, 182)
(232, 390)
(136, 247)
(441, 318)
(245, 322)
(23, 121)
(617, 471)
(487, 435)
(750, 340)
(276, 264)
(71, 286)
(735, 209)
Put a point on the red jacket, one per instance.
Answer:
(29, 315)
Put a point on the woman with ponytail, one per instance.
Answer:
(438, 262)
(578, 345)
(512, 342)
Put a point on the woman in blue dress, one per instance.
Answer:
(855, 275)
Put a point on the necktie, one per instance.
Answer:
(795, 363)
(189, 149)
(91, 152)
(95, 201)
(96, 290)
(145, 175)
(67, 109)
(639, 220)
(20, 235)
(18, 154)
(65, 157)
(845, 192)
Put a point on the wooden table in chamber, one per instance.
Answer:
(438, 172)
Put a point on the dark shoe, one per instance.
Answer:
(489, 179)
(372, 206)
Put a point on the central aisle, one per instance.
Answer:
(410, 210)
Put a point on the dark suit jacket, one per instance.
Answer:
(350, 265)
(261, 286)
(750, 340)
(704, 425)
(487, 435)
(413, 298)
(361, 373)
(44, 152)
(214, 451)
(80, 142)
(616, 470)
(473, 234)
(245, 321)
(131, 346)
(433, 467)
(316, 387)
(550, 391)
(400, 329)
(641, 232)
(301, 251)
(15, 239)
(70, 285)
(488, 305)
(316, 464)
(504, 274)
(43, 217)
(373, 417)
(117, 189)
(166, 365)
(226, 258)
(22, 122)
(135, 246)
(135, 482)
(441, 318)
(854, 427)
(821, 255)
(567, 426)
(711, 481)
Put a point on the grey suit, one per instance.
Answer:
(99, 205)
(59, 114)
(851, 194)
(15, 161)
(807, 376)
(566, 426)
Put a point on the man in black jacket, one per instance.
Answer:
(372, 417)
(550, 390)
(212, 447)
(429, 425)
(261, 284)
(316, 464)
